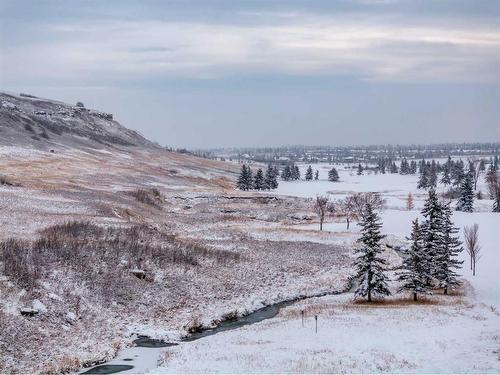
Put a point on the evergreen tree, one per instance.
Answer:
(432, 175)
(421, 166)
(360, 170)
(369, 264)
(258, 181)
(394, 168)
(413, 167)
(432, 232)
(333, 175)
(381, 166)
(465, 201)
(446, 259)
(245, 178)
(423, 181)
(496, 202)
(270, 179)
(404, 168)
(295, 172)
(316, 175)
(414, 272)
(446, 179)
(309, 173)
(457, 173)
(286, 175)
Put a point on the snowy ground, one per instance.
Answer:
(458, 333)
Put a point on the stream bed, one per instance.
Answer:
(144, 356)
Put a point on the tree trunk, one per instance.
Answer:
(415, 296)
(347, 223)
(446, 290)
(321, 224)
(369, 295)
(474, 267)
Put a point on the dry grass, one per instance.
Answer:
(151, 197)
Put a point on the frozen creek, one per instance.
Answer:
(144, 356)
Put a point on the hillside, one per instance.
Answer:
(46, 124)
(90, 202)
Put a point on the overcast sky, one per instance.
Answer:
(202, 74)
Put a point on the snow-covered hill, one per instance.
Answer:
(47, 124)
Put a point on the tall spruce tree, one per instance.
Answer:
(369, 264)
(432, 232)
(414, 271)
(309, 174)
(446, 260)
(333, 175)
(465, 201)
(258, 181)
(295, 172)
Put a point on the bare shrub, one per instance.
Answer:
(321, 207)
(21, 263)
(353, 206)
(409, 202)
(6, 181)
(151, 197)
(471, 236)
(451, 193)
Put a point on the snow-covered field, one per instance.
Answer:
(459, 333)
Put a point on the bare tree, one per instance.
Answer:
(409, 202)
(475, 167)
(321, 207)
(471, 235)
(352, 207)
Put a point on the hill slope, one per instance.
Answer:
(43, 124)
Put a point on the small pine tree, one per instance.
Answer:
(258, 181)
(369, 265)
(242, 182)
(309, 173)
(333, 175)
(446, 260)
(466, 199)
(394, 168)
(413, 167)
(414, 272)
(432, 173)
(270, 178)
(360, 170)
(286, 175)
(316, 175)
(446, 179)
(295, 173)
(423, 181)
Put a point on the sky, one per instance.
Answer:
(204, 74)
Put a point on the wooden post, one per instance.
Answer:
(302, 313)
(316, 319)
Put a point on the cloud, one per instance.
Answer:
(369, 48)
